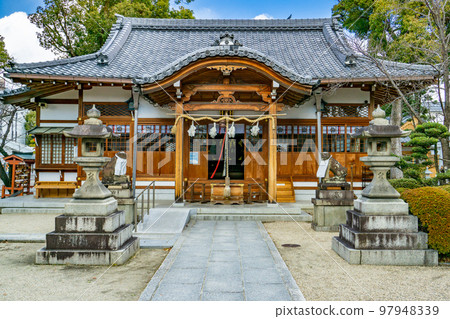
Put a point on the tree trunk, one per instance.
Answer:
(396, 119)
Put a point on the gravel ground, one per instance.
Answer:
(322, 275)
(21, 279)
(27, 223)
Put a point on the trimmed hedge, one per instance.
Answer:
(405, 183)
(432, 206)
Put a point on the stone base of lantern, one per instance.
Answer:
(380, 239)
(89, 240)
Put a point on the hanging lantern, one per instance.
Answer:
(254, 131)
(213, 131)
(192, 129)
(231, 131)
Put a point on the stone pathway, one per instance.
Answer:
(223, 260)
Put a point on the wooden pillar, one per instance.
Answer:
(179, 156)
(272, 178)
(372, 101)
(80, 121)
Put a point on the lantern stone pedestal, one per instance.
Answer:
(330, 208)
(92, 231)
(380, 231)
(333, 196)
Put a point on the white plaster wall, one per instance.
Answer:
(70, 177)
(148, 110)
(49, 176)
(106, 94)
(305, 111)
(346, 95)
(59, 112)
(58, 124)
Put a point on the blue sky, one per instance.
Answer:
(22, 43)
(219, 9)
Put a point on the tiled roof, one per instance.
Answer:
(147, 50)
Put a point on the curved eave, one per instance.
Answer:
(236, 61)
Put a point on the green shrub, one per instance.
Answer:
(404, 183)
(430, 181)
(432, 206)
(401, 190)
(446, 187)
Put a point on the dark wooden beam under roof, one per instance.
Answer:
(37, 92)
(58, 78)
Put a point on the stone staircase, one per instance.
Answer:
(252, 212)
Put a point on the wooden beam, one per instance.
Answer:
(59, 101)
(259, 107)
(272, 174)
(179, 156)
(225, 87)
(256, 66)
(37, 93)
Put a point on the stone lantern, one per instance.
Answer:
(380, 230)
(91, 231)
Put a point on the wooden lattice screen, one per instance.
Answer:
(108, 108)
(361, 110)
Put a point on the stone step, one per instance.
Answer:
(32, 210)
(257, 217)
(366, 240)
(238, 210)
(416, 257)
(381, 224)
(88, 257)
(89, 224)
(91, 241)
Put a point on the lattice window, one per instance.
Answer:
(108, 108)
(70, 146)
(284, 138)
(167, 139)
(155, 138)
(198, 142)
(254, 141)
(361, 110)
(333, 138)
(57, 149)
(120, 144)
(46, 149)
(355, 145)
(304, 137)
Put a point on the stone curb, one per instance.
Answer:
(285, 274)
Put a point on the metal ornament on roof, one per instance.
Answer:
(191, 130)
(227, 38)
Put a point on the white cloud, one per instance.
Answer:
(21, 40)
(205, 13)
(263, 16)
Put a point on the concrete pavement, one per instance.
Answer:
(223, 260)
